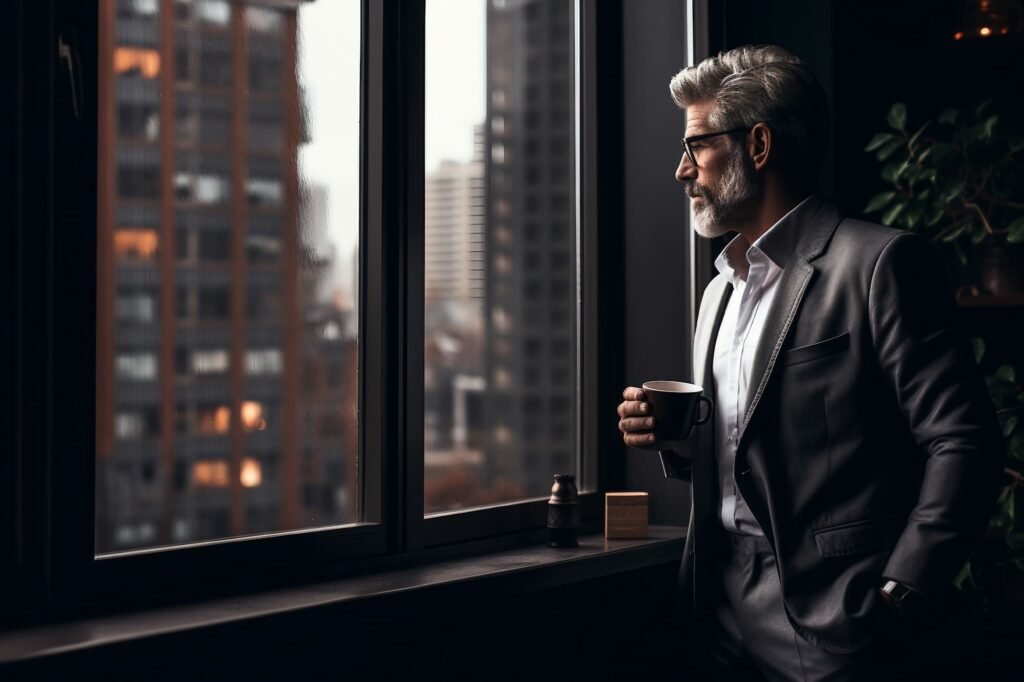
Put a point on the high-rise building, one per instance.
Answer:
(454, 224)
(221, 367)
(531, 292)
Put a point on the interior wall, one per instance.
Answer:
(657, 339)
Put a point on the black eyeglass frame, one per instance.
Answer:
(688, 141)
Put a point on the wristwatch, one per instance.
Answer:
(905, 600)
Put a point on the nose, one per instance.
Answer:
(685, 170)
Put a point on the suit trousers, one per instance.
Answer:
(749, 636)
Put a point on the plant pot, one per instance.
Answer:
(999, 268)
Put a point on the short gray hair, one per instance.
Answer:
(763, 84)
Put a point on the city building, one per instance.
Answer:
(531, 292)
(226, 379)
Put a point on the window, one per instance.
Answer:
(464, 345)
(226, 340)
(269, 264)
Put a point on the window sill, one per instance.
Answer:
(519, 570)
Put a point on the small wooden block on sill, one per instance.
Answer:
(625, 515)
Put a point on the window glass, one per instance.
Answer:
(228, 233)
(500, 380)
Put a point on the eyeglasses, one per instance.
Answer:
(687, 142)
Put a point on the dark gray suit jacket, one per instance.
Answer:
(869, 446)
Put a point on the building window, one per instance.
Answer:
(136, 61)
(291, 262)
(136, 366)
(135, 245)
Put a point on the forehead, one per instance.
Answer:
(697, 117)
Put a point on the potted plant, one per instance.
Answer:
(996, 570)
(958, 180)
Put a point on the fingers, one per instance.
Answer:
(636, 424)
(633, 393)
(635, 421)
(637, 440)
(633, 408)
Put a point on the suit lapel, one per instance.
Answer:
(814, 224)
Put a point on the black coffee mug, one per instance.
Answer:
(674, 406)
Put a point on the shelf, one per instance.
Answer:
(1005, 301)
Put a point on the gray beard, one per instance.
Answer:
(720, 208)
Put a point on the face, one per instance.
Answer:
(724, 182)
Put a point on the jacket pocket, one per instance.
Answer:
(858, 537)
(817, 350)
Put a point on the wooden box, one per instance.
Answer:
(625, 515)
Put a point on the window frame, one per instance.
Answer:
(49, 522)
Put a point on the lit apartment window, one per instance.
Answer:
(211, 473)
(213, 419)
(137, 61)
(135, 244)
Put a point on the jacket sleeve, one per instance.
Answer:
(941, 394)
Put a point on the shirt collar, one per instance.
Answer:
(777, 244)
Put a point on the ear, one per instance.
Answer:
(760, 145)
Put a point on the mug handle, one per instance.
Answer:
(704, 399)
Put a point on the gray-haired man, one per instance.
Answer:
(854, 453)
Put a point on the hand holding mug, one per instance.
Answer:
(661, 414)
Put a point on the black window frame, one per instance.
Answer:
(49, 470)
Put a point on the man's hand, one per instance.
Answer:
(635, 420)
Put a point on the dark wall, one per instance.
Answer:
(658, 339)
(872, 53)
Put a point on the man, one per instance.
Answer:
(854, 453)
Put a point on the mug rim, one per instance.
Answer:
(662, 387)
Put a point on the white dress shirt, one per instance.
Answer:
(755, 278)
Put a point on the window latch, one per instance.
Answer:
(67, 53)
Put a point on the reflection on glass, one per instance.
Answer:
(228, 228)
(501, 297)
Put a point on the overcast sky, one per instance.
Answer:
(329, 71)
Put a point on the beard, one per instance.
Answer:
(722, 206)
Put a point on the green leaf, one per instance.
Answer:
(1009, 425)
(952, 192)
(913, 138)
(913, 214)
(978, 234)
(988, 126)
(889, 149)
(1016, 231)
(934, 215)
(1006, 373)
(949, 116)
(1016, 446)
(980, 110)
(878, 140)
(979, 349)
(961, 256)
(891, 171)
(898, 116)
(879, 201)
(893, 212)
(956, 233)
